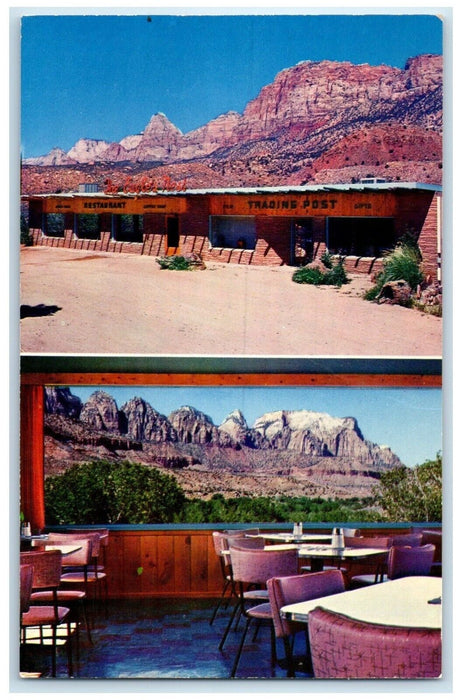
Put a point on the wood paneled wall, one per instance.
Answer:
(144, 563)
(178, 563)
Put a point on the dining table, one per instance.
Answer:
(411, 601)
(289, 537)
(319, 554)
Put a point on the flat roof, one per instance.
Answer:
(284, 189)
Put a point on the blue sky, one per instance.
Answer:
(407, 420)
(103, 77)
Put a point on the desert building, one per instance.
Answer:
(251, 226)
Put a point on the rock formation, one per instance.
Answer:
(60, 401)
(295, 452)
(100, 412)
(317, 121)
(138, 420)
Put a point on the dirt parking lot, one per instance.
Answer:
(79, 302)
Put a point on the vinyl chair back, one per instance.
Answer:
(243, 542)
(374, 542)
(366, 573)
(72, 597)
(83, 556)
(257, 566)
(410, 561)
(345, 648)
(413, 539)
(220, 545)
(254, 567)
(68, 538)
(26, 572)
(46, 574)
(103, 534)
(47, 566)
(435, 537)
(295, 589)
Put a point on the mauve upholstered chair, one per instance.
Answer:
(345, 648)
(254, 567)
(220, 545)
(74, 599)
(403, 561)
(88, 575)
(295, 589)
(46, 573)
(412, 539)
(362, 573)
(410, 561)
(435, 537)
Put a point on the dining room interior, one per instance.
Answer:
(173, 600)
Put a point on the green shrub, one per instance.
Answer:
(335, 276)
(308, 275)
(402, 263)
(326, 259)
(174, 262)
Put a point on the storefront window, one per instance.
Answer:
(233, 232)
(54, 225)
(128, 228)
(88, 226)
(364, 237)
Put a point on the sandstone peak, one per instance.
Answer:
(295, 452)
(285, 132)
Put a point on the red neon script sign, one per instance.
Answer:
(133, 185)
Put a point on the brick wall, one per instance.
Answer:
(428, 240)
(415, 212)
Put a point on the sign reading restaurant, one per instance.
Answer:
(115, 205)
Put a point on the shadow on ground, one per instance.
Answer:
(27, 311)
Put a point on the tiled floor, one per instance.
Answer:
(166, 639)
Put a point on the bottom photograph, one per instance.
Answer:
(230, 526)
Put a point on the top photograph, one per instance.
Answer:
(232, 185)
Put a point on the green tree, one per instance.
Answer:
(105, 492)
(413, 495)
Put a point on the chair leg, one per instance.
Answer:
(273, 648)
(241, 646)
(228, 626)
(289, 657)
(70, 664)
(53, 651)
(86, 622)
(220, 602)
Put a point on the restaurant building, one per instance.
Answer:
(251, 226)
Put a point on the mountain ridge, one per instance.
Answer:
(295, 452)
(278, 138)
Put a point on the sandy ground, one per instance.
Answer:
(124, 304)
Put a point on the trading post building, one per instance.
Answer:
(251, 226)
